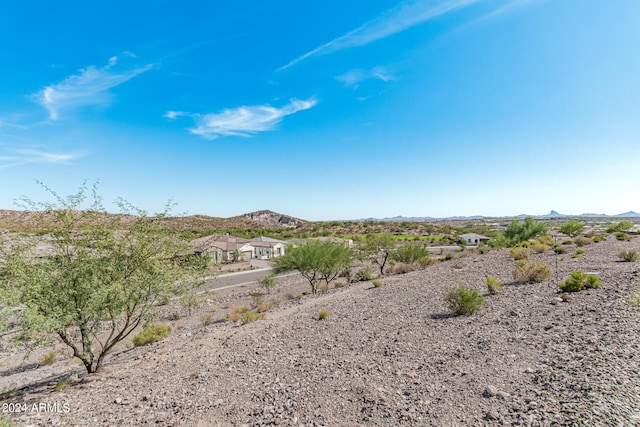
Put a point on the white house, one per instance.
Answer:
(473, 238)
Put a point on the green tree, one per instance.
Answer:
(316, 261)
(618, 227)
(519, 231)
(97, 278)
(377, 248)
(572, 228)
(236, 255)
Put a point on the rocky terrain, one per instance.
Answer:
(387, 356)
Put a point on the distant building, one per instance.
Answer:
(473, 239)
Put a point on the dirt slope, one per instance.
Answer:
(390, 356)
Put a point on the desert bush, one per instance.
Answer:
(463, 300)
(365, 273)
(493, 285)
(266, 306)
(251, 316)
(623, 237)
(519, 253)
(449, 257)
(572, 228)
(582, 241)
(482, 249)
(376, 283)
(151, 333)
(409, 254)
(619, 227)
(235, 314)
(401, 268)
(426, 261)
(599, 238)
(579, 251)
(560, 250)
(628, 256)
(539, 247)
(206, 319)
(48, 358)
(338, 284)
(532, 272)
(323, 314)
(190, 301)
(568, 242)
(525, 244)
(323, 286)
(518, 232)
(579, 281)
(268, 282)
(546, 239)
(62, 384)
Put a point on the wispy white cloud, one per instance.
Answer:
(89, 87)
(406, 15)
(355, 76)
(506, 9)
(242, 121)
(17, 157)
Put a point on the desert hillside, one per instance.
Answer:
(385, 356)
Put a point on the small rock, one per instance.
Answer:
(218, 402)
(490, 391)
(503, 395)
(493, 415)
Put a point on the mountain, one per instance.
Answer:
(630, 214)
(272, 219)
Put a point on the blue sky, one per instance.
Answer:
(325, 110)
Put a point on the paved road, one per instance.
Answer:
(235, 279)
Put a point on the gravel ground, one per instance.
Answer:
(387, 356)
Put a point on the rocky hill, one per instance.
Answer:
(40, 221)
(273, 219)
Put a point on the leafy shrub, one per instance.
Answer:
(151, 333)
(532, 272)
(48, 359)
(518, 232)
(579, 281)
(560, 250)
(519, 253)
(493, 285)
(463, 300)
(365, 273)
(525, 244)
(268, 282)
(599, 238)
(623, 237)
(62, 384)
(582, 241)
(401, 268)
(579, 251)
(251, 316)
(620, 226)
(376, 283)
(572, 228)
(324, 313)
(628, 256)
(410, 253)
(568, 242)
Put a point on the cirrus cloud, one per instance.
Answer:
(242, 121)
(89, 87)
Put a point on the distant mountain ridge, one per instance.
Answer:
(552, 214)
